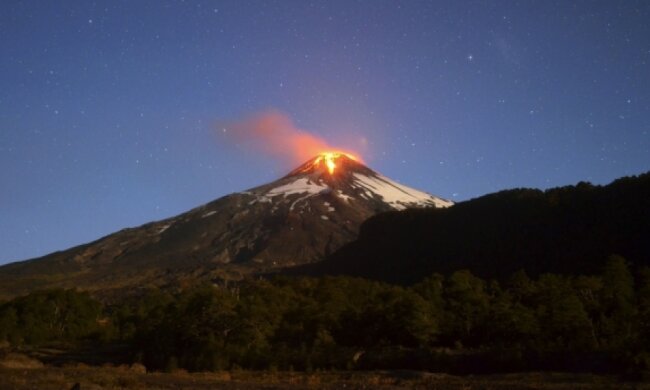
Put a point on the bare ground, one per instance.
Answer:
(24, 375)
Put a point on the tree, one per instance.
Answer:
(511, 324)
(467, 305)
(562, 316)
(617, 302)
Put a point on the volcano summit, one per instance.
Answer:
(298, 219)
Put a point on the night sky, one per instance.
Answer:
(110, 111)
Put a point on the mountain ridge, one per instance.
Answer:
(299, 218)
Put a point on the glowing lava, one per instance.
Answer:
(329, 159)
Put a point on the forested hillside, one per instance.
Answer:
(569, 230)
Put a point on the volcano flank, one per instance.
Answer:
(297, 219)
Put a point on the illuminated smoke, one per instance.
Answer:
(275, 134)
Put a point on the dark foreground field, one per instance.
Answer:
(20, 372)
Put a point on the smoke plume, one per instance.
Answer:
(275, 134)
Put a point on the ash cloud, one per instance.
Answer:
(274, 133)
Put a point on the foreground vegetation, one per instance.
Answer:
(457, 324)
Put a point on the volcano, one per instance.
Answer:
(297, 219)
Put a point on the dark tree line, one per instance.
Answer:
(566, 230)
(49, 316)
(457, 323)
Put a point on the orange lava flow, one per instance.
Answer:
(329, 158)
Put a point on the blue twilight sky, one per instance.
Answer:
(108, 109)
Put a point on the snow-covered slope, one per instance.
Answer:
(301, 185)
(397, 195)
(353, 182)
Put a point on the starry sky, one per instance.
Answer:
(108, 110)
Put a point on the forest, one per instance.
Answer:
(564, 230)
(456, 323)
